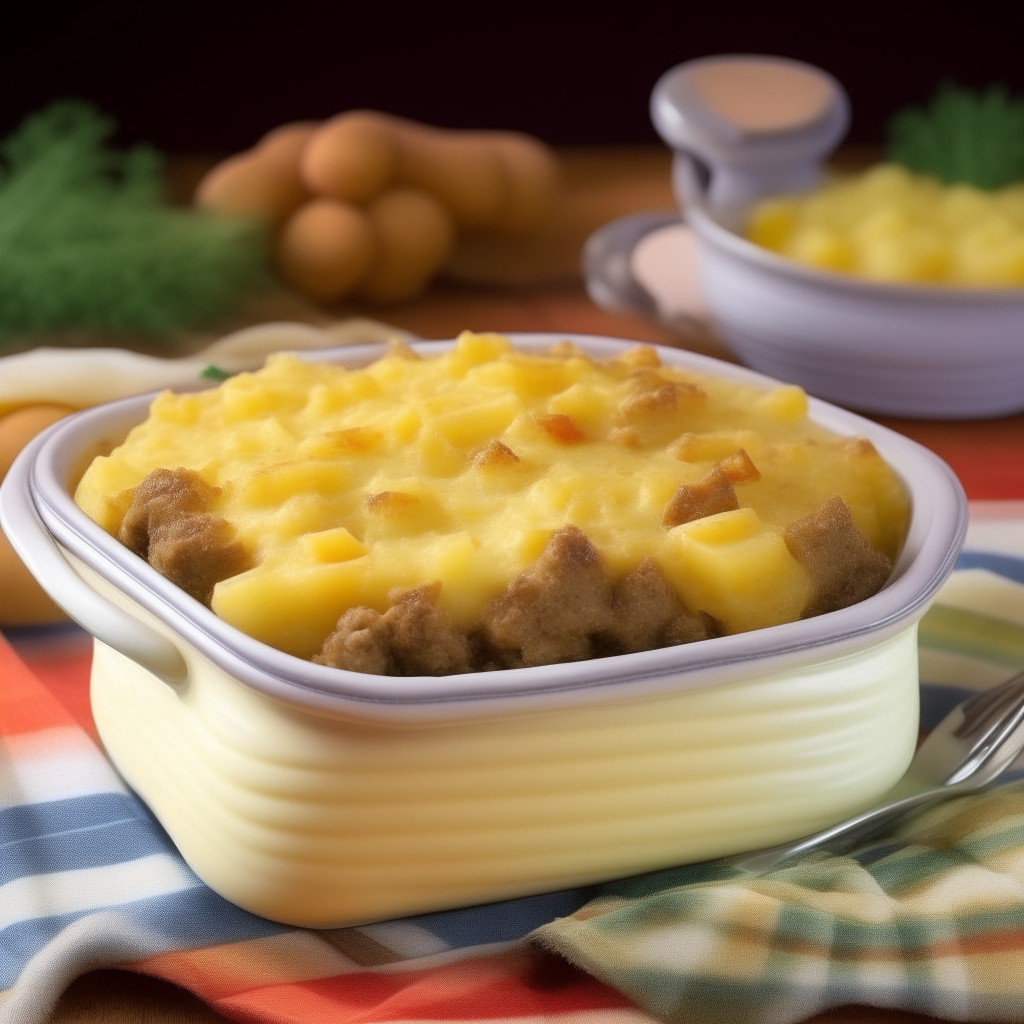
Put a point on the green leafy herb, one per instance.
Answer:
(962, 136)
(87, 243)
(211, 372)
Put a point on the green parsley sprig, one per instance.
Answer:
(87, 243)
(962, 136)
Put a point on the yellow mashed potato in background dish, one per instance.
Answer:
(889, 224)
(343, 486)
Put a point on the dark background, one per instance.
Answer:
(195, 80)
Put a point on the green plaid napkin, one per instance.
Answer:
(928, 919)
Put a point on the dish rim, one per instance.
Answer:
(935, 535)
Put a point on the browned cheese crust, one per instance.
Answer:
(709, 496)
(563, 609)
(650, 413)
(840, 560)
(169, 524)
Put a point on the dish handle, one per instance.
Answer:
(747, 126)
(42, 556)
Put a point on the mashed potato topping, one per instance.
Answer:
(486, 497)
(889, 224)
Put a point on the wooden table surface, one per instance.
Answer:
(601, 184)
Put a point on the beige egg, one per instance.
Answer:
(325, 248)
(414, 235)
(250, 184)
(352, 157)
(461, 169)
(532, 183)
(19, 426)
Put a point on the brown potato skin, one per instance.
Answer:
(285, 144)
(414, 235)
(326, 248)
(248, 185)
(461, 169)
(19, 426)
(351, 158)
(532, 183)
(499, 183)
(22, 601)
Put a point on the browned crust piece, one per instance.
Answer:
(646, 613)
(649, 400)
(390, 503)
(566, 609)
(563, 609)
(843, 565)
(168, 523)
(712, 494)
(653, 395)
(412, 638)
(651, 411)
(740, 468)
(494, 455)
(549, 613)
(356, 439)
(562, 428)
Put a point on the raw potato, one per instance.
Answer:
(531, 176)
(484, 182)
(462, 169)
(414, 237)
(18, 427)
(352, 157)
(489, 181)
(286, 143)
(22, 601)
(326, 248)
(248, 185)
(262, 182)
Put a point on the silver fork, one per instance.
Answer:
(971, 747)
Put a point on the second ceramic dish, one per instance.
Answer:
(912, 350)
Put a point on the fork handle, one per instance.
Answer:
(838, 839)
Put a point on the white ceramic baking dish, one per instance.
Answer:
(927, 351)
(321, 797)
